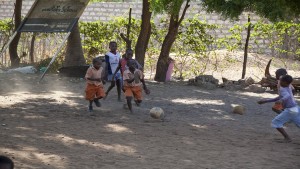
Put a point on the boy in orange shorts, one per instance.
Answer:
(133, 78)
(94, 86)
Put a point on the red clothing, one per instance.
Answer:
(123, 63)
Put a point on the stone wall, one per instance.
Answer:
(108, 10)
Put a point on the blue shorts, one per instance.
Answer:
(117, 77)
(286, 116)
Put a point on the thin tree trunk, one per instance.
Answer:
(144, 36)
(74, 52)
(163, 60)
(246, 48)
(127, 38)
(162, 63)
(13, 47)
(31, 53)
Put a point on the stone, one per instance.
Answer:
(255, 88)
(238, 110)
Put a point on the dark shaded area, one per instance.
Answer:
(74, 71)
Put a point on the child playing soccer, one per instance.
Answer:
(112, 60)
(94, 86)
(291, 111)
(132, 84)
(277, 107)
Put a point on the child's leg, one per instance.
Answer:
(129, 103)
(90, 93)
(119, 88)
(128, 95)
(91, 106)
(280, 120)
(99, 95)
(112, 85)
(285, 135)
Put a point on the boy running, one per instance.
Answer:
(277, 107)
(132, 84)
(291, 111)
(94, 86)
(112, 60)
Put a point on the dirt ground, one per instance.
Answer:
(47, 126)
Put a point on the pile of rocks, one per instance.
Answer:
(205, 81)
(247, 84)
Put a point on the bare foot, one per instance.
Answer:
(286, 140)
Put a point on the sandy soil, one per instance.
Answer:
(47, 126)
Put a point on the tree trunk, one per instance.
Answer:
(246, 48)
(13, 47)
(163, 60)
(31, 53)
(74, 52)
(144, 36)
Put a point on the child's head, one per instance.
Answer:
(129, 54)
(131, 64)
(286, 80)
(97, 63)
(113, 46)
(280, 72)
(6, 163)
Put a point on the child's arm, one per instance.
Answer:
(147, 91)
(283, 96)
(127, 78)
(269, 100)
(94, 79)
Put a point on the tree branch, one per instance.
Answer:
(187, 5)
(127, 40)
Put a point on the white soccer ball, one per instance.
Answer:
(157, 113)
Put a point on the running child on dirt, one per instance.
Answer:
(123, 66)
(94, 86)
(112, 59)
(277, 107)
(133, 78)
(291, 111)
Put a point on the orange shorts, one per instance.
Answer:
(277, 106)
(92, 91)
(135, 91)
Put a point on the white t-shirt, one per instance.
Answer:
(113, 61)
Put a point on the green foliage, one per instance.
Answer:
(97, 35)
(53, 68)
(192, 47)
(234, 40)
(273, 10)
(6, 27)
(283, 37)
(168, 6)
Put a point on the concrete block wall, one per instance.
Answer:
(108, 10)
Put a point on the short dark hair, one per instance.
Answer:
(287, 78)
(97, 60)
(132, 62)
(129, 50)
(111, 42)
(280, 72)
(5, 160)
